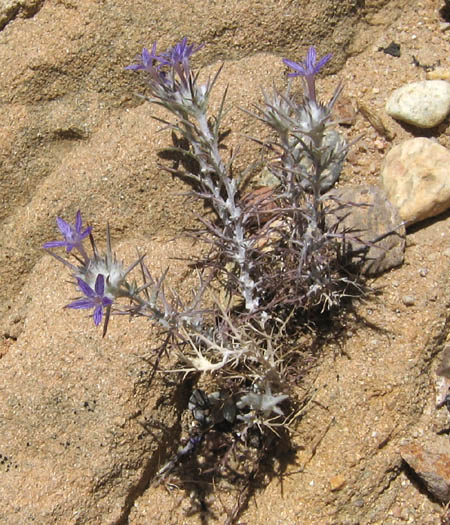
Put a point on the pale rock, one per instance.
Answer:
(423, 104)
(416, 179)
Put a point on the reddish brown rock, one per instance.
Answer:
(432, 468)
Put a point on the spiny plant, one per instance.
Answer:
(273, 252)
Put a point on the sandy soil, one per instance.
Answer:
(372, 387)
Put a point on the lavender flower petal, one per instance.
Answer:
(80, 304)
(322, 62)
(98, 313)
(86, 289)
(94, 299)
(175, 59)
(55, 244)
(100, 285)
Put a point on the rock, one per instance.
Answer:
(423, 104)
(11, 9)
(416, 179)
(432, 468)
(408, 300)
(337, 482)
(440, 73)
(443, 380)
(344, 112)
(374, 217)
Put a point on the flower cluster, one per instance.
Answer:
(91, 276)
(103, 281)
(170, 77)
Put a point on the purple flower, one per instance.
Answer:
(147, 61)
(73, 235)
(179, 54)
(175, 58)
(308, 69)
(178, 57)
(94, 299)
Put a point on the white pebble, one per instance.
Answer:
(423, 104)
(408, 300)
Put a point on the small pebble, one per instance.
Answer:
(337, 482)
(408, 300)
(379, 144)
(440, 73)
(423, 272)
(398, 512)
